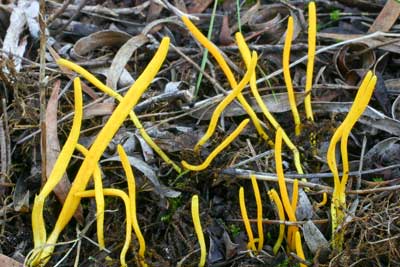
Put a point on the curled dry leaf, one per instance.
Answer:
(122, 57)
(351, 57)
(53, 149)
(89, 43)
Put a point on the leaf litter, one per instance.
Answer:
(106, 37)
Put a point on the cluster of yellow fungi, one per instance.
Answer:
(43, 245)
(286, 207)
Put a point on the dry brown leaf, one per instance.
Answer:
(198, 6)
(387, 17)
(225, 37)
(53, 149)
(9, 262)
(98, 109)
(99, 39)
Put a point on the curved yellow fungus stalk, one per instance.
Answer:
(295, 195)
(282, 188)
(347, 129)
(299, 248)
(312, 39)
(245, 51)
(218, 149)
(275, 198)
(225, 102)
(99, 196)
(324, 200)
(107, 90)
(246, 220)
(287, 77)
(132, 197)
(228, 73)
(38, 224)
(260, 229)
(199, 230)
(338, 205)
(99, 145)
(121, 194)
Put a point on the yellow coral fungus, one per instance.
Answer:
(324, 200)
(295, 194)
(275, 198)
(218, 149)
(299, 248)
(228, 73)
(98, 147)
(96, 82)
(246, 220)
(38, 224)
(125, 198)
(287, 77)
(132, 197)
(312, 36)
(282, 188)
(99, 196)
(257, 195)
(338, 205)
(225, 102)
(199, 230)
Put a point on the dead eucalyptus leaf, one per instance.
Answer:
(148, 171)
(370, 117)
(122, 57)
(198, 6)
(374, 154)
(98, 39)
(9, 262)
(387, 17)
(315, 240)
(53, 149)
(276, 103)
(98, 109)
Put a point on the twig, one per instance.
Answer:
(81, 5)
(42, 87)
(59, 12)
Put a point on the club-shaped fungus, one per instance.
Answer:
(288, 78)
(245, 51)
(218, 149)
(312, 39)
(41, 256)
(246, 221)
(199, 230)
(121, 194)
(132, 198)
(338, 206)
(107, 90)
(225, 102)
(283, 190)
(99, 196)
(260, 229)
(38, 224)
(281, 213)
